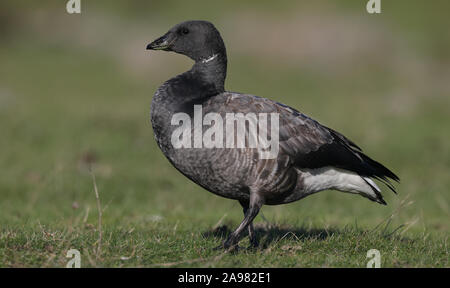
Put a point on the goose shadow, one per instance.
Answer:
(268, 234)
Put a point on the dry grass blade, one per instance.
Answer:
(99, 208)
(403, 204)
(219, 222)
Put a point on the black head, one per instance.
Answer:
(195, 39)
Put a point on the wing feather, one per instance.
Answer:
(310, 144)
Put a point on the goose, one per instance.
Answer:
(310, 157)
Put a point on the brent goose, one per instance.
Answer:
(310, 158)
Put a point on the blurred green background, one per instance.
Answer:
(75, 91)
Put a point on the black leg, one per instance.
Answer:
(251, 230)
(252, 235)
(253, 209)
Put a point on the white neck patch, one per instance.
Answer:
(210, 58)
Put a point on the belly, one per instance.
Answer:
(223, 172)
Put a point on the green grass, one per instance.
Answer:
(69, 102)
(148, 243)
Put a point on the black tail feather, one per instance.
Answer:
(380, 172)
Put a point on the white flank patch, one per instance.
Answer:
(316, 180)
(371, 183)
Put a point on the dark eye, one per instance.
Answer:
(185, 31)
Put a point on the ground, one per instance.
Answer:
(74, 102)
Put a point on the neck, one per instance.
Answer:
(212, 70)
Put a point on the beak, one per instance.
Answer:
(162, 43)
